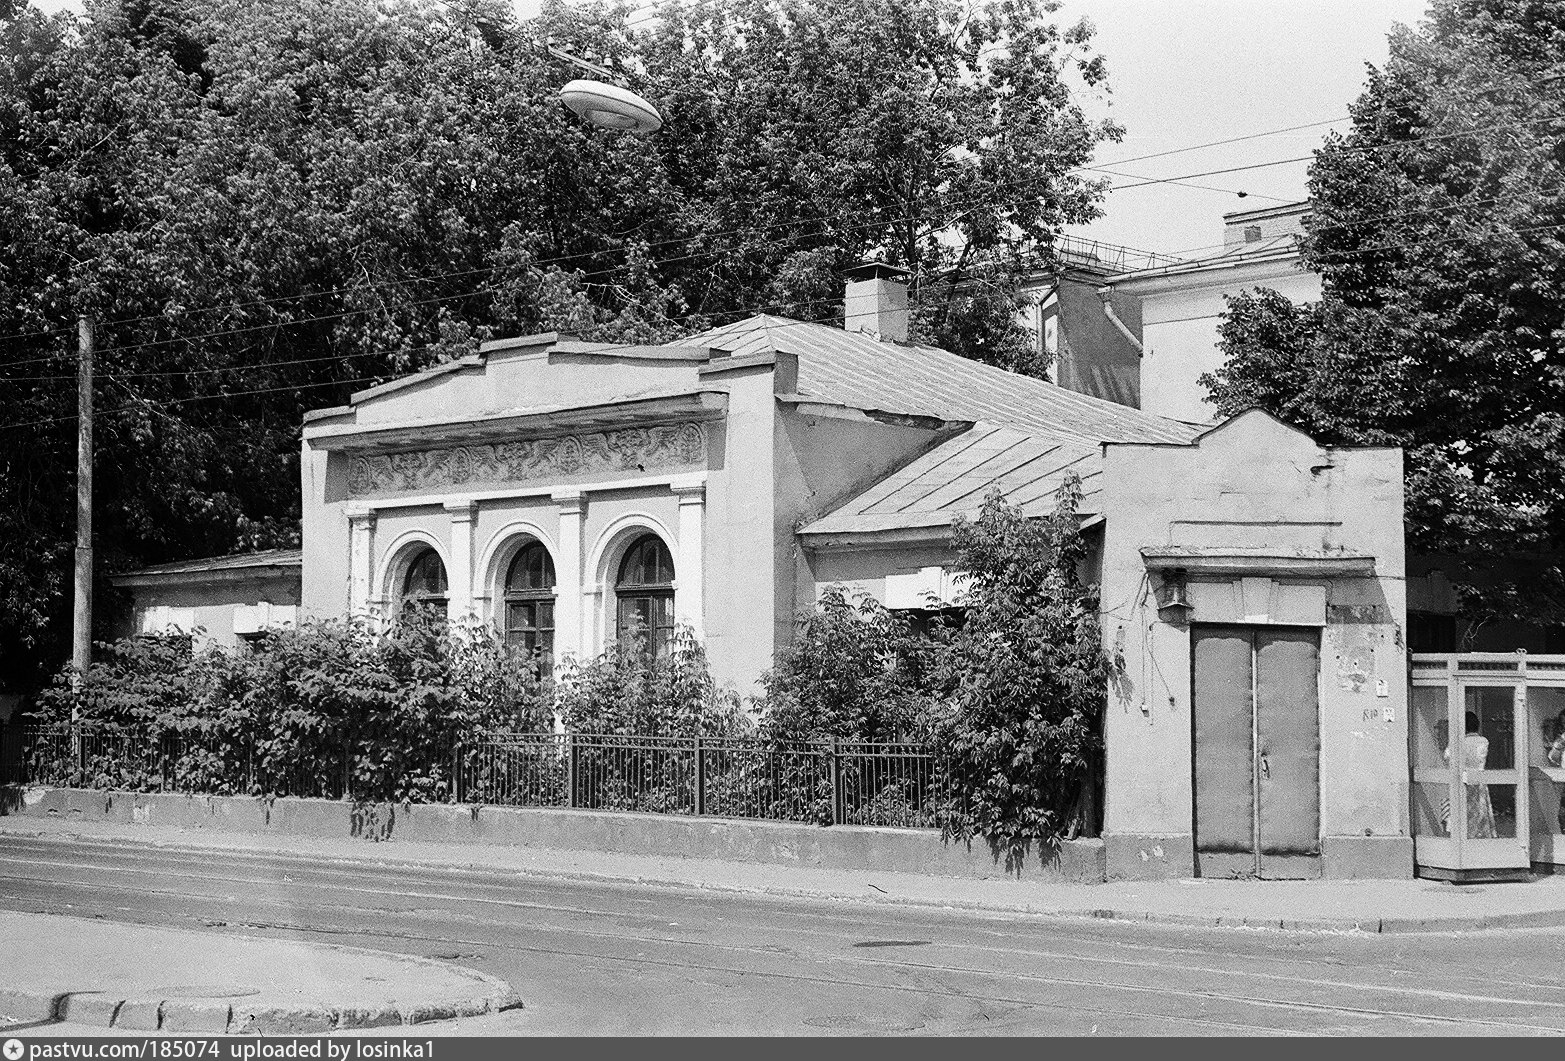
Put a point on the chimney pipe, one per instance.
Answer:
(875, 301)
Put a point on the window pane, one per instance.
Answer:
(1494, 709)
(426, 576)
(531, 571)
(647, 563)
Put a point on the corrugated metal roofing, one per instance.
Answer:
(236, 562)
(860, 371)
(956, 476)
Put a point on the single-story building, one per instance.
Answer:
(1252, 580)
(227, 599)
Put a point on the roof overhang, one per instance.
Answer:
(870, 538)
(647, 411)
(1218, 561)
(862, 532)
(810, 406)
(278, 572)
(1217, 271)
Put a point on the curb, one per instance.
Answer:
(188, 1015)
(1370, 926)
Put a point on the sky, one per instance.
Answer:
(1188, 72)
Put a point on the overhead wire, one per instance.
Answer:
(781, 324)
(475, 292)
(1140, 182)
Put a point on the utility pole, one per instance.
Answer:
(81, 630)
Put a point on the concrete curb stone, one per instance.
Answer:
(194, 1016)
(105, 1009)
(200, 1016)
(139, 1014)
(28, 1006)
(281, 1020)
(377, 1017)
(97, 1008)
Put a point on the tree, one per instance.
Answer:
(269, 206)
(1437, 230)
(939, 136)
(1025, 740)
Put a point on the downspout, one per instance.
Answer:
(1106, 293)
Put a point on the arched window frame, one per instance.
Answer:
(649, 599)
(418, 589)
(528, 610)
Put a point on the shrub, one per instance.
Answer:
(857, 671)
(629, 691)
(1031, 679)
(329, 708)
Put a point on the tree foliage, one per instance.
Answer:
(629, 691)
(1025, 739)
(855, 670)
(268, 206)
(1437, 230)
(330, 707)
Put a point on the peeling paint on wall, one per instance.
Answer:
(1356, 613)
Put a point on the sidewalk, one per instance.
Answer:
(1355, 905)
(103, 974)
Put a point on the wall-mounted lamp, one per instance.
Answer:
(1173, 599)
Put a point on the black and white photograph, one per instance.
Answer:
(778, 518)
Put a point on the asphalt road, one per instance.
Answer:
(595, 958)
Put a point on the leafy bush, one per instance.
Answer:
(330, 708)
(855, 670)
(1024, 744)
(635, 701)
(629, 691)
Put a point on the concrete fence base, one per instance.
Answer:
(841, 847)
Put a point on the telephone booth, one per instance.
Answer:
(1487, 738)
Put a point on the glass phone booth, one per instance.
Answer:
(1487, 735)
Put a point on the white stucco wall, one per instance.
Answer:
(1256, 486)
(729, 522)
(1180, 315)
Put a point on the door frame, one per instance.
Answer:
(1253, 865)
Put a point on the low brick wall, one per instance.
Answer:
(843, 847)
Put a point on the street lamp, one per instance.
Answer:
(605, 105)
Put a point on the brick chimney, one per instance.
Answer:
(875, 301)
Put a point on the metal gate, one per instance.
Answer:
(1256, 751)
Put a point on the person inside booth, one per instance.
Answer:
(1480, 809)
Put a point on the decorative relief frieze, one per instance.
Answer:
(530, 460)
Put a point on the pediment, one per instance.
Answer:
(1258, 431)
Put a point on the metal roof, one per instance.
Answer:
(954, 477)
(863, 372)
(1280, 247)
(239, 562)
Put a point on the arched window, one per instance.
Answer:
(424, 586)
(646, 593)
(529, 603)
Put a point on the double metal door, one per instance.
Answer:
(1256, 711)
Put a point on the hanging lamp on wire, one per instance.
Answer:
(606, 105)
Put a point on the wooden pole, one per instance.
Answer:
(81, 630)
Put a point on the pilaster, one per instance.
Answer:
(689, 602)
(361, 560)
(569, 610)
(459, 577)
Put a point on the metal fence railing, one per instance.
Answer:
(827, 782)
(105, 757)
